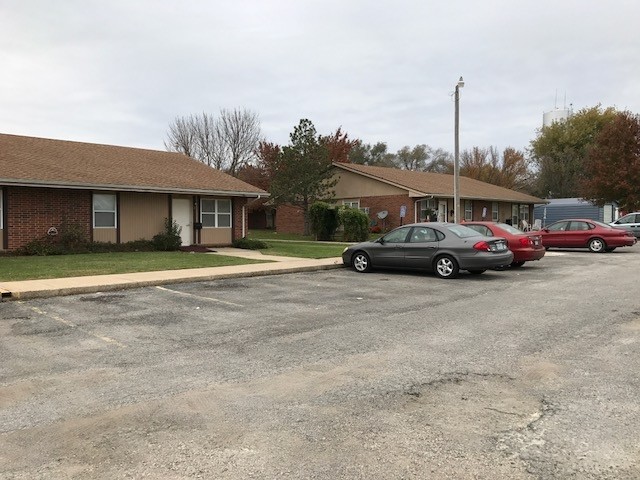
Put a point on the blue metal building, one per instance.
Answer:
(561, 208)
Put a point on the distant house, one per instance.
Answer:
(114, 194)
(392, 197)
(561, 208)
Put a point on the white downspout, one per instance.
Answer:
(244, 227)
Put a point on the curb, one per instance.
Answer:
(28, 294)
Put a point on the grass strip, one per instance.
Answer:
(59, 266)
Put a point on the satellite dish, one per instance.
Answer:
(383, 214)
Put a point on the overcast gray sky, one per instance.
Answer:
(118, 71)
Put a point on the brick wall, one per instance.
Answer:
(289, 219)
(392, 204)
(238, 203)
(32, 211)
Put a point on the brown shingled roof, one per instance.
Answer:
(45, 162)
(438, 184)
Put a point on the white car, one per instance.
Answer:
(630, 222)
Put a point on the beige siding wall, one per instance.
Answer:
(105, 235)
(351, 185)
(216, 236)
(142, 215)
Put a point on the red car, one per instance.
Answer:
(526, 246)
(585, 233)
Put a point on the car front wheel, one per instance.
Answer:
(597, 245)
(361, 262)
(446, 266)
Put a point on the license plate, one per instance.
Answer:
(498, 247)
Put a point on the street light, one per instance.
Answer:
(456, 155)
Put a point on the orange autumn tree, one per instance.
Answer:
(612, 166)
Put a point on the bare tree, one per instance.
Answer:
(226, 143)
(238, 133)
(182, 136)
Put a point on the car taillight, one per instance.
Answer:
(524, 241)
(482, 246)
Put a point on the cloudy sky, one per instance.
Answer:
(119, 71)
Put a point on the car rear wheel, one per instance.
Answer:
(361, 262)
(597, 245)
(476, 272)
(446, 266)
(517, 264)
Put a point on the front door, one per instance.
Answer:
(182, 215)
(442, 211)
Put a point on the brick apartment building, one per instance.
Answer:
(114, 194)
(406, 196)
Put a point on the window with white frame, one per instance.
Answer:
(351, 203)
(427, 208)
(215, 213)
(524, 212)
(495, 211)
(514, 215)
(468, 210)
(104, 210)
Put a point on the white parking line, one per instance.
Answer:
(73, 325)
(199, 297)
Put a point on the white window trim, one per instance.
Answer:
(216, 213)
(495, 211)
(351, 203)
(468, 213)
(115, 211)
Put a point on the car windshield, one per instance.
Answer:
(510, 229)
(462, 231)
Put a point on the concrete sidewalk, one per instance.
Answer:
(99, 283)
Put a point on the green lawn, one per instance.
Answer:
(57, 266)
(304, 249)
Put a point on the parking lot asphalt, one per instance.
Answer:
(529, 373)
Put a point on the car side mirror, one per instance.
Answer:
(545, 230)
(380, 241)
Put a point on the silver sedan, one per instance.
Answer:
(444, 248)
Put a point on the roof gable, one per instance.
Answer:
(437, 184)
(60, 163)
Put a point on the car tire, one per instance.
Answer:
(445, 266)
(517, 264)
(597, 245)
(476, 272)
(361, 262)
(609, 249)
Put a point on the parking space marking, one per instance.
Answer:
(187, 294)
(73, 325)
